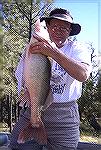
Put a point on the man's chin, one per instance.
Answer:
(60, 43)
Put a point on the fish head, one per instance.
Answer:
(41, 30)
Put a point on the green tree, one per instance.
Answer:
(1, 55)
(98, 95)
(19, 18)
(90, 102)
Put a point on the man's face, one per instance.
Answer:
(58, 31)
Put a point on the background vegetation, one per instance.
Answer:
(17, 19)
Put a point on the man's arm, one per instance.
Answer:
(77, 70)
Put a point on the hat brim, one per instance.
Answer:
(76, 28)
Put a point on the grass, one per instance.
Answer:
(4, 127)
(90, 138)
(88, 134)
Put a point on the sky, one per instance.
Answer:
(87, 13)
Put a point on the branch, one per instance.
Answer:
(19, 33)
(22, 10)
(95, 76)
(41, 10)
(10, 27)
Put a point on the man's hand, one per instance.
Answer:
(41, 46)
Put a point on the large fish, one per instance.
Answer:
(37, 73)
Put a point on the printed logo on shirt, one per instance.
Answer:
(58, 89)
(59, 70)
(57, 79)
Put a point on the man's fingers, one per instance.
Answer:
(21, 138)
(40, 39)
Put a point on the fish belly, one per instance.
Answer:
(37, 73)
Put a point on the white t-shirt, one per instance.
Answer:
(63, 86)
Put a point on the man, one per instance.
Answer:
(70, 67)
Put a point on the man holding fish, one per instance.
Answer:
(54, 122)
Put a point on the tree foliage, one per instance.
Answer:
(90, 101)
(18, 18)
(1, 55)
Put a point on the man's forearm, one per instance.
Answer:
(75, 69)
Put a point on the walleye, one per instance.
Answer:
(37, 73)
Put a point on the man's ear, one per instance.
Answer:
(47, 23)
(70, 30)
(47, 26)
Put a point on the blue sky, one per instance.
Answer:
(88, 14)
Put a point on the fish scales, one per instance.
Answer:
(37, 73)
(37, 77)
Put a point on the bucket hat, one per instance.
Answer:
(64, 15)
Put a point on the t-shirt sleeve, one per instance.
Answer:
(81, 53)
(19, 71)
